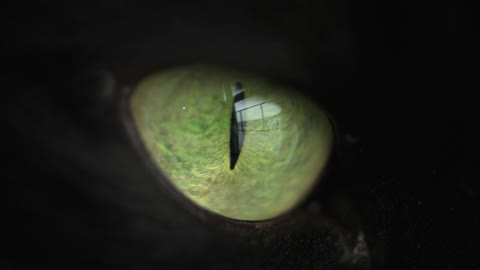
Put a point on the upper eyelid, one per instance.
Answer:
(282, 62)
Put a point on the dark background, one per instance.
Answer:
(399, 192)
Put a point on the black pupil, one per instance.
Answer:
(237, 126)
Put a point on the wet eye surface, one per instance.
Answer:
(236, 144)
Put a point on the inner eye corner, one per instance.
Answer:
(247, 161)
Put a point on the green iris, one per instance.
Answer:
(238, 145)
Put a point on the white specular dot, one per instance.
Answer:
(184, 108)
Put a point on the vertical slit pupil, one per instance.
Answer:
(237, 125)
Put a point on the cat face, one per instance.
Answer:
(85, 194)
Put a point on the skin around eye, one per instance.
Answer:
(236, 144)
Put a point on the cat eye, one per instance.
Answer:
(236, 144)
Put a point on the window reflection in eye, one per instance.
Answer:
(235, 144)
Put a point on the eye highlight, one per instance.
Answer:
(236, 144)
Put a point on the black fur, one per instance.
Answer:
(81, 194)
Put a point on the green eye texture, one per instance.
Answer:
(236, 144)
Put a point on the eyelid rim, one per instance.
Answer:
(124, 93)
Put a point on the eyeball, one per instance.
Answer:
(235, 144)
